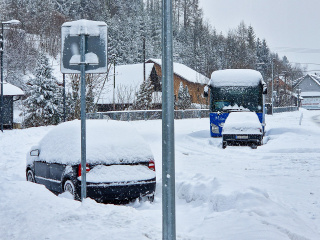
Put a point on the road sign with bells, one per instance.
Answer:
(95, 33)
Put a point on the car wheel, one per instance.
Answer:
(30, 176)
(68, 186)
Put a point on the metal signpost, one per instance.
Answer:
(84, 50)
(168, 170)
(11, 22)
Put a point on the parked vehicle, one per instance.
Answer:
(120, 164)
(242, 128)
(235, 90)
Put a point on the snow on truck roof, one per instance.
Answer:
(108, 141)
(236, 78)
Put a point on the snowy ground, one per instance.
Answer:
(272, 192)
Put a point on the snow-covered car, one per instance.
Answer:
(242, 128)
(120, 164)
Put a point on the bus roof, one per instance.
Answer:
(235, 78)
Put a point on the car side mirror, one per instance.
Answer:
(35, 153)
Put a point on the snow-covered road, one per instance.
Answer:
(234, 193)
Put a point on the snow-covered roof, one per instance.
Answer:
(185, 72)
(235, 77)
(128, 80)
(315, 78)
(11, 90)
(107, 142)
(310, 94)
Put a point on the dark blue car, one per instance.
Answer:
(120, 165)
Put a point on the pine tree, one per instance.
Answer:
(184, 99)
(43, 106)
(144, 96)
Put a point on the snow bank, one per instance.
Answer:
(235, 193)
(107, 142)
(235, 78)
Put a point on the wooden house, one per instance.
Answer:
(119, 93)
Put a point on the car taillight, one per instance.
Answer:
(79, 169)
(151, 165)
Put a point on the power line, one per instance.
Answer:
(306, 63)
(297, 50)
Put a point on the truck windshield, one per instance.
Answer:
(246, 97)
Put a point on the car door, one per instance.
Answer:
(56, 171)
(41, 172)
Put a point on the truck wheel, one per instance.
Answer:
(224, 145)
(254, 146)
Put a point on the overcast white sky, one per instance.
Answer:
(291, 27)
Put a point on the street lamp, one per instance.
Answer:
(1, 53)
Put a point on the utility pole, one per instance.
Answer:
(168, 152)
(64, 97)
(144, 59)
(114, 80)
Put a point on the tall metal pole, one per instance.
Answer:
(114, 81)
(272, 86)
(168, 168)
(2, 100)
(144, 59)
(64, 97)
(83, 118)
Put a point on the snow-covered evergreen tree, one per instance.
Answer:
(44, 102)
(144, 96)
(184, 98)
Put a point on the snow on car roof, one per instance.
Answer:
(235, 77)
(244, 122)
(108, 142)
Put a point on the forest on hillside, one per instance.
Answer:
(197, 43)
